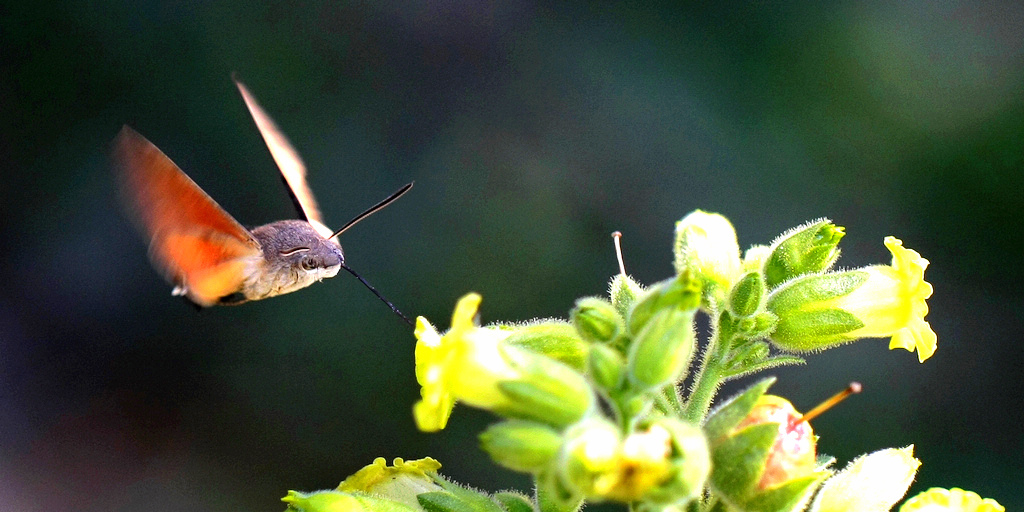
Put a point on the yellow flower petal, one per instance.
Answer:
(871, 483)
(892, 302)
(402, 481)
(464, 364)
(950, 500)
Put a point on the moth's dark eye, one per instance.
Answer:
(309, 263)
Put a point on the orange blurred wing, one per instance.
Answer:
(293, 170)
(197, 245)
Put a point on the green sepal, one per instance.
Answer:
(807, 249)
(661, 351)
(790, 496)
(606, 367)
(738, 461)
(813, 292)
(554, 496)
(455, 498)
(623, 292)
(520, 445)
(546, 391)
(446, 502)
(513, 502)
(814, 330)
(556, 339)
(596, 320)
(336, 501)
(747, 296)
(723, 419)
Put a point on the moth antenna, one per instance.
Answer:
(374, 290)
(616, 235)
(370, 211)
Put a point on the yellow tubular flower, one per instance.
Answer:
(950, 500)
(464, 364)
(892, 302)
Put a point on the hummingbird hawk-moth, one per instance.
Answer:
(203, 251)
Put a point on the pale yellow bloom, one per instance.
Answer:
(871, 483)
(892, 302)
(706, 245)
(950, 500)
(464, 364)
(602, 465)
(402, 481)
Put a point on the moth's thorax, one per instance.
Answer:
(294, 256)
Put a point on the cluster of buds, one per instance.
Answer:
(579, 398)
(591, 406)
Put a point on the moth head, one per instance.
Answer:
(296, 245)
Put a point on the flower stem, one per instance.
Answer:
(709, 376)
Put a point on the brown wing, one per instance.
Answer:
(288, 161)
(197, 245)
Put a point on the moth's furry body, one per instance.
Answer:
(202, 250)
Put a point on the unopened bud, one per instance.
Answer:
(810, 248)
(596, 320)
(521, 445)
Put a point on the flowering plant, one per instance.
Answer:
(591, 406)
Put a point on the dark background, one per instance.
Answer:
(532, 132)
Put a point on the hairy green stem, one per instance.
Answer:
(710, 375)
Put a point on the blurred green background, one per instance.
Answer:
(532, 130)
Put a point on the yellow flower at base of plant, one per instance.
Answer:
(950, 500)
(402, 481)
(892, 302)
(871, 483)
(464, 364)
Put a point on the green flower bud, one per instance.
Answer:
(519, 445)
(747, 295)
(623, 292)
(544, 389)
(871, 483)
(706, 246)
(681, 292)
(662, 350)
(596, 320)
(607, 367)
(810, 248)
(334, 501)
(553, 338)
(762, 454)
